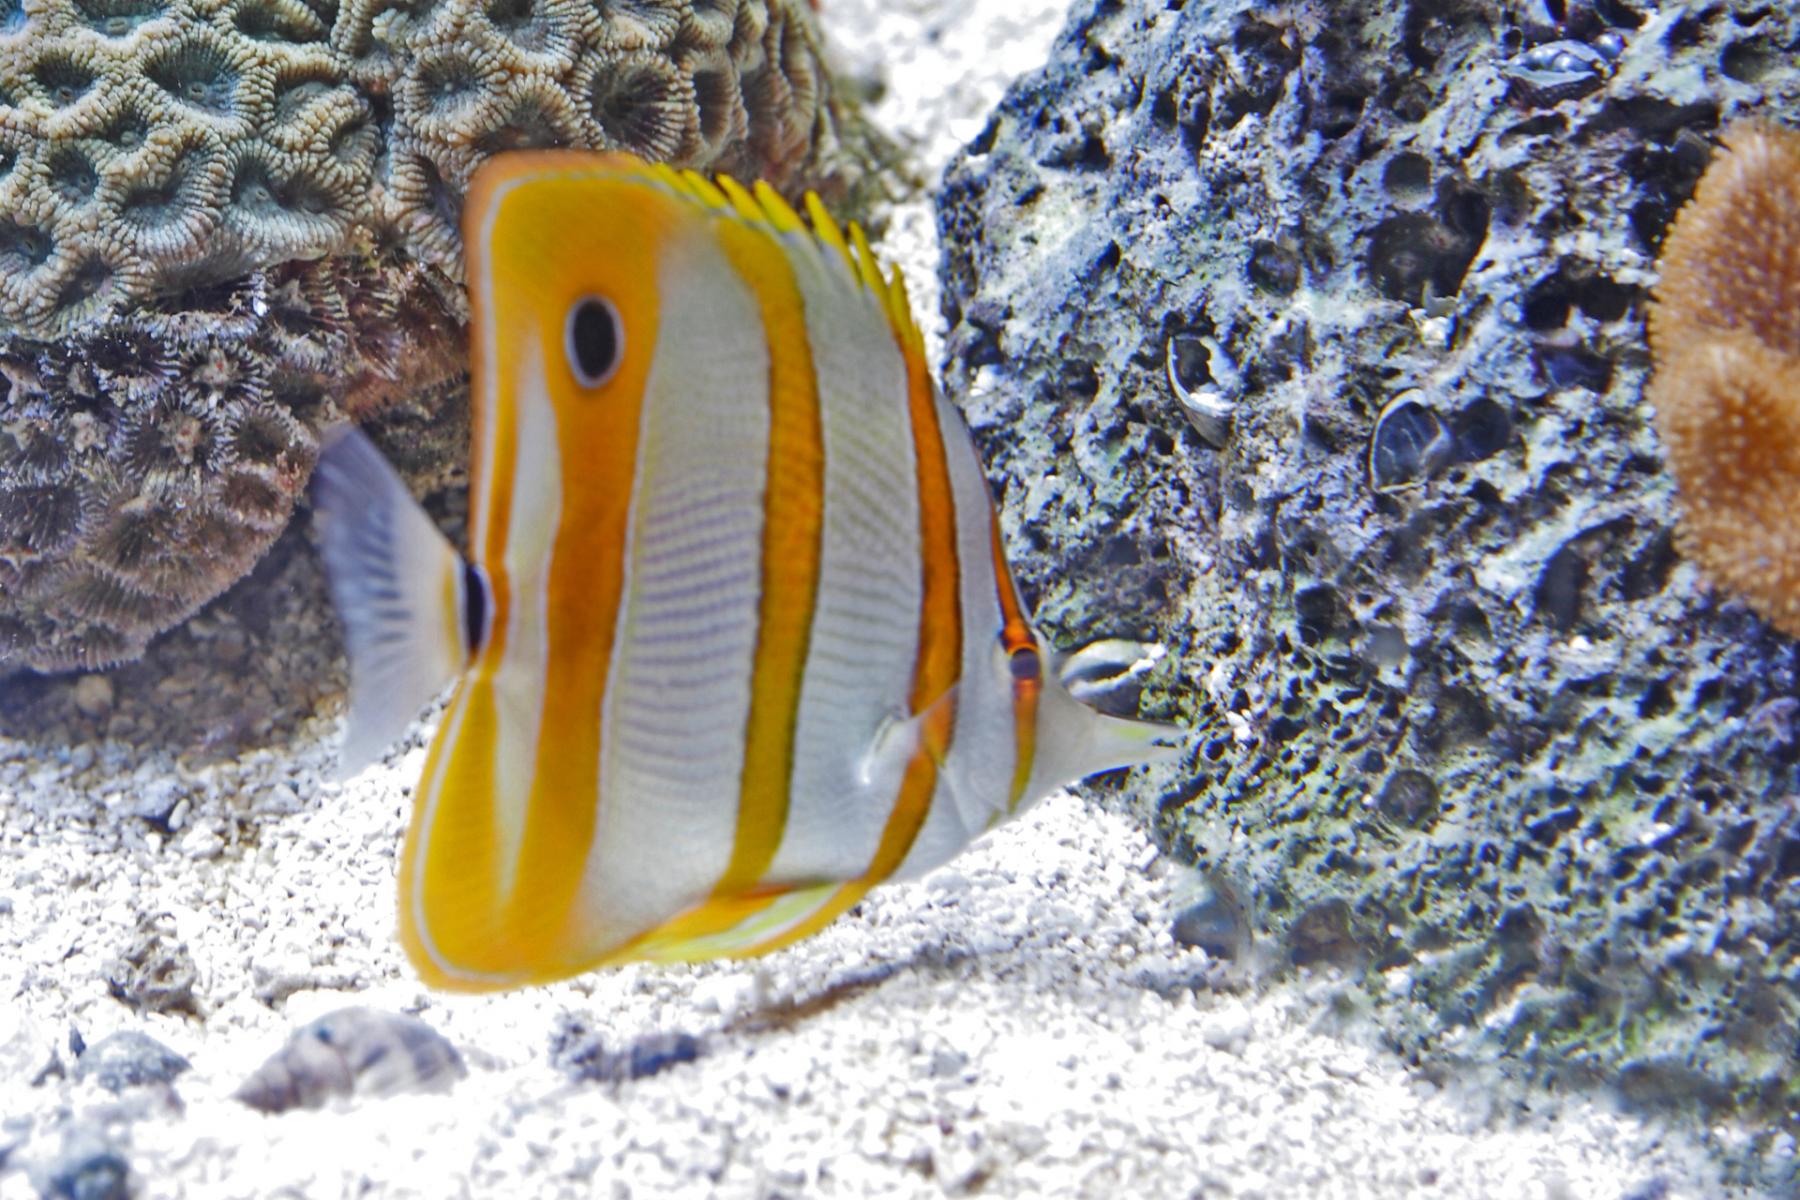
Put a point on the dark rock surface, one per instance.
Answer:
(1470, 728)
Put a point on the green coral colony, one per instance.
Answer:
(227, 223)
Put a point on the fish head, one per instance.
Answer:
(563, 254)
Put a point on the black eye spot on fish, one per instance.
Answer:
(475, 608)
(1027, 667)
(595, 340)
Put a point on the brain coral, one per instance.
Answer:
(1726, 332)
(226, 223)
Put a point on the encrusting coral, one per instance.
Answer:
(149, 144)
(227, 223)
(1725, 330)
(146, 467)
(723, 84)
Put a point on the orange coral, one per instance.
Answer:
(1725, 332)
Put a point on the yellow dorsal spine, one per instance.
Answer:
(761, 205)
(899, 306)
(826, 229)
(689, 184)
(781, 214)
(866, 267)
(704, 190)
(743, 201)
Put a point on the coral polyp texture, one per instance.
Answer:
(145, 466)
(1726, 331)
(224, 225)
(148, 144)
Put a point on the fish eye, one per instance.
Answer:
(594, 340)
(1026, 666)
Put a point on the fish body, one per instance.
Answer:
(735, 639)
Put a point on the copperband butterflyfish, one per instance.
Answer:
(735, 639)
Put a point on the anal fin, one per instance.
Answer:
(741, 926)
(400, 589)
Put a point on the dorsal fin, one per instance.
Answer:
(763, 207)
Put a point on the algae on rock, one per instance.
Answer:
(1478, 733)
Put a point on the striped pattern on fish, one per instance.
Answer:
(736, 640)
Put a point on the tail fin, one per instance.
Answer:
(400, 590)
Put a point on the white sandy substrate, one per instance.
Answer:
(1019, 1024)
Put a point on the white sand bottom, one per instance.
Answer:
(1018, 1024)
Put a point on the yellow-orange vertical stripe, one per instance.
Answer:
(456, 786)
(1015, 637)
(585, 587)
(537, 269)
(490, 508)
(936, 668)
(793, 517)
(940, 623)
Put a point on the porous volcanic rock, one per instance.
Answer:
(1309, 338)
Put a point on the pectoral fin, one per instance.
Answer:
(897, 739)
